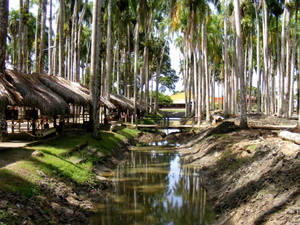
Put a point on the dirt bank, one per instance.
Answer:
(252, 176)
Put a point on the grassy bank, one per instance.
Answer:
(70, 157)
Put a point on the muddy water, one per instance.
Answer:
(153, 187)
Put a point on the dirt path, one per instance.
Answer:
(252, 176)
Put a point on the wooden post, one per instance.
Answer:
(3, 124)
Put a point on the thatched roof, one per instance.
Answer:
(107, 103)
(8, 94)
(121, 101)
(71, 92)
(37, 95)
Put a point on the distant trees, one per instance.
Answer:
(228, 46)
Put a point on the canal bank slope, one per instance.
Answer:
(58, 181)
(252, 176)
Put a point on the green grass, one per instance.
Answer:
(13, 182)
(151, 119)
(22, 177)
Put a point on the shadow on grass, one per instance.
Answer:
(14, 183)
(9, 156)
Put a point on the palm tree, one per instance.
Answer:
(50, 60)
(43, 34)
(136, 55)
(3, 34)
(108, 51)
(61, 57)
(226, 63)
(265, 46)
(95, 83)
(20, 58)
(240, 53)
(294, 47)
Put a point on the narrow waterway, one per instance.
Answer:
(152, 187)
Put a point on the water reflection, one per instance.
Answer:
(154, 189)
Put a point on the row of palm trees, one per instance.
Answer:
(122, 46)
(219, 46)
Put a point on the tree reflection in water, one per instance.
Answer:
(152, 187)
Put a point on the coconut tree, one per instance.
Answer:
(95, 67)
(226, 62)
(240, 53)
(61, 57)
(3, 34)
(265, 47)
(43, 35)
(108, 50)
(294, 47)
(50, 64)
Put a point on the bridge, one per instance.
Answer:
(165, 123)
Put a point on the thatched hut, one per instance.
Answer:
(121, 102)
(37, 95)
(71, 92)
(8, 94)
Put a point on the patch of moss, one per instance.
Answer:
(252, 147)
(220, 136)
(229, 161)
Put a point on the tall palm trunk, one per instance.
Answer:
(258, 59)
(118, 66)
(56, 48)
(298, 79)
(226, 63)
(288, 57)
(43, 35)
(294, 47)
(78, 43)
(73, 41)
(195, 73)
(213, 89)
(146, 59)
(108, 52)
(21, 26)
(207, 95)
(282, 65)
(266, 66)
(128, 64)
(250, 71)
(136, 56)
(61, 60)
(200, 74)
(50, 61)
(25, 37)
(95, 67)
(3, 34)
(158, 77)
(298, 84)
(36, 40)
(278, 63)
(243, 121)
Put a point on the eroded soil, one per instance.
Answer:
(252, 176)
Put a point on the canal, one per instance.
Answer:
(154, 187)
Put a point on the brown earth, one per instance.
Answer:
(252, 176)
